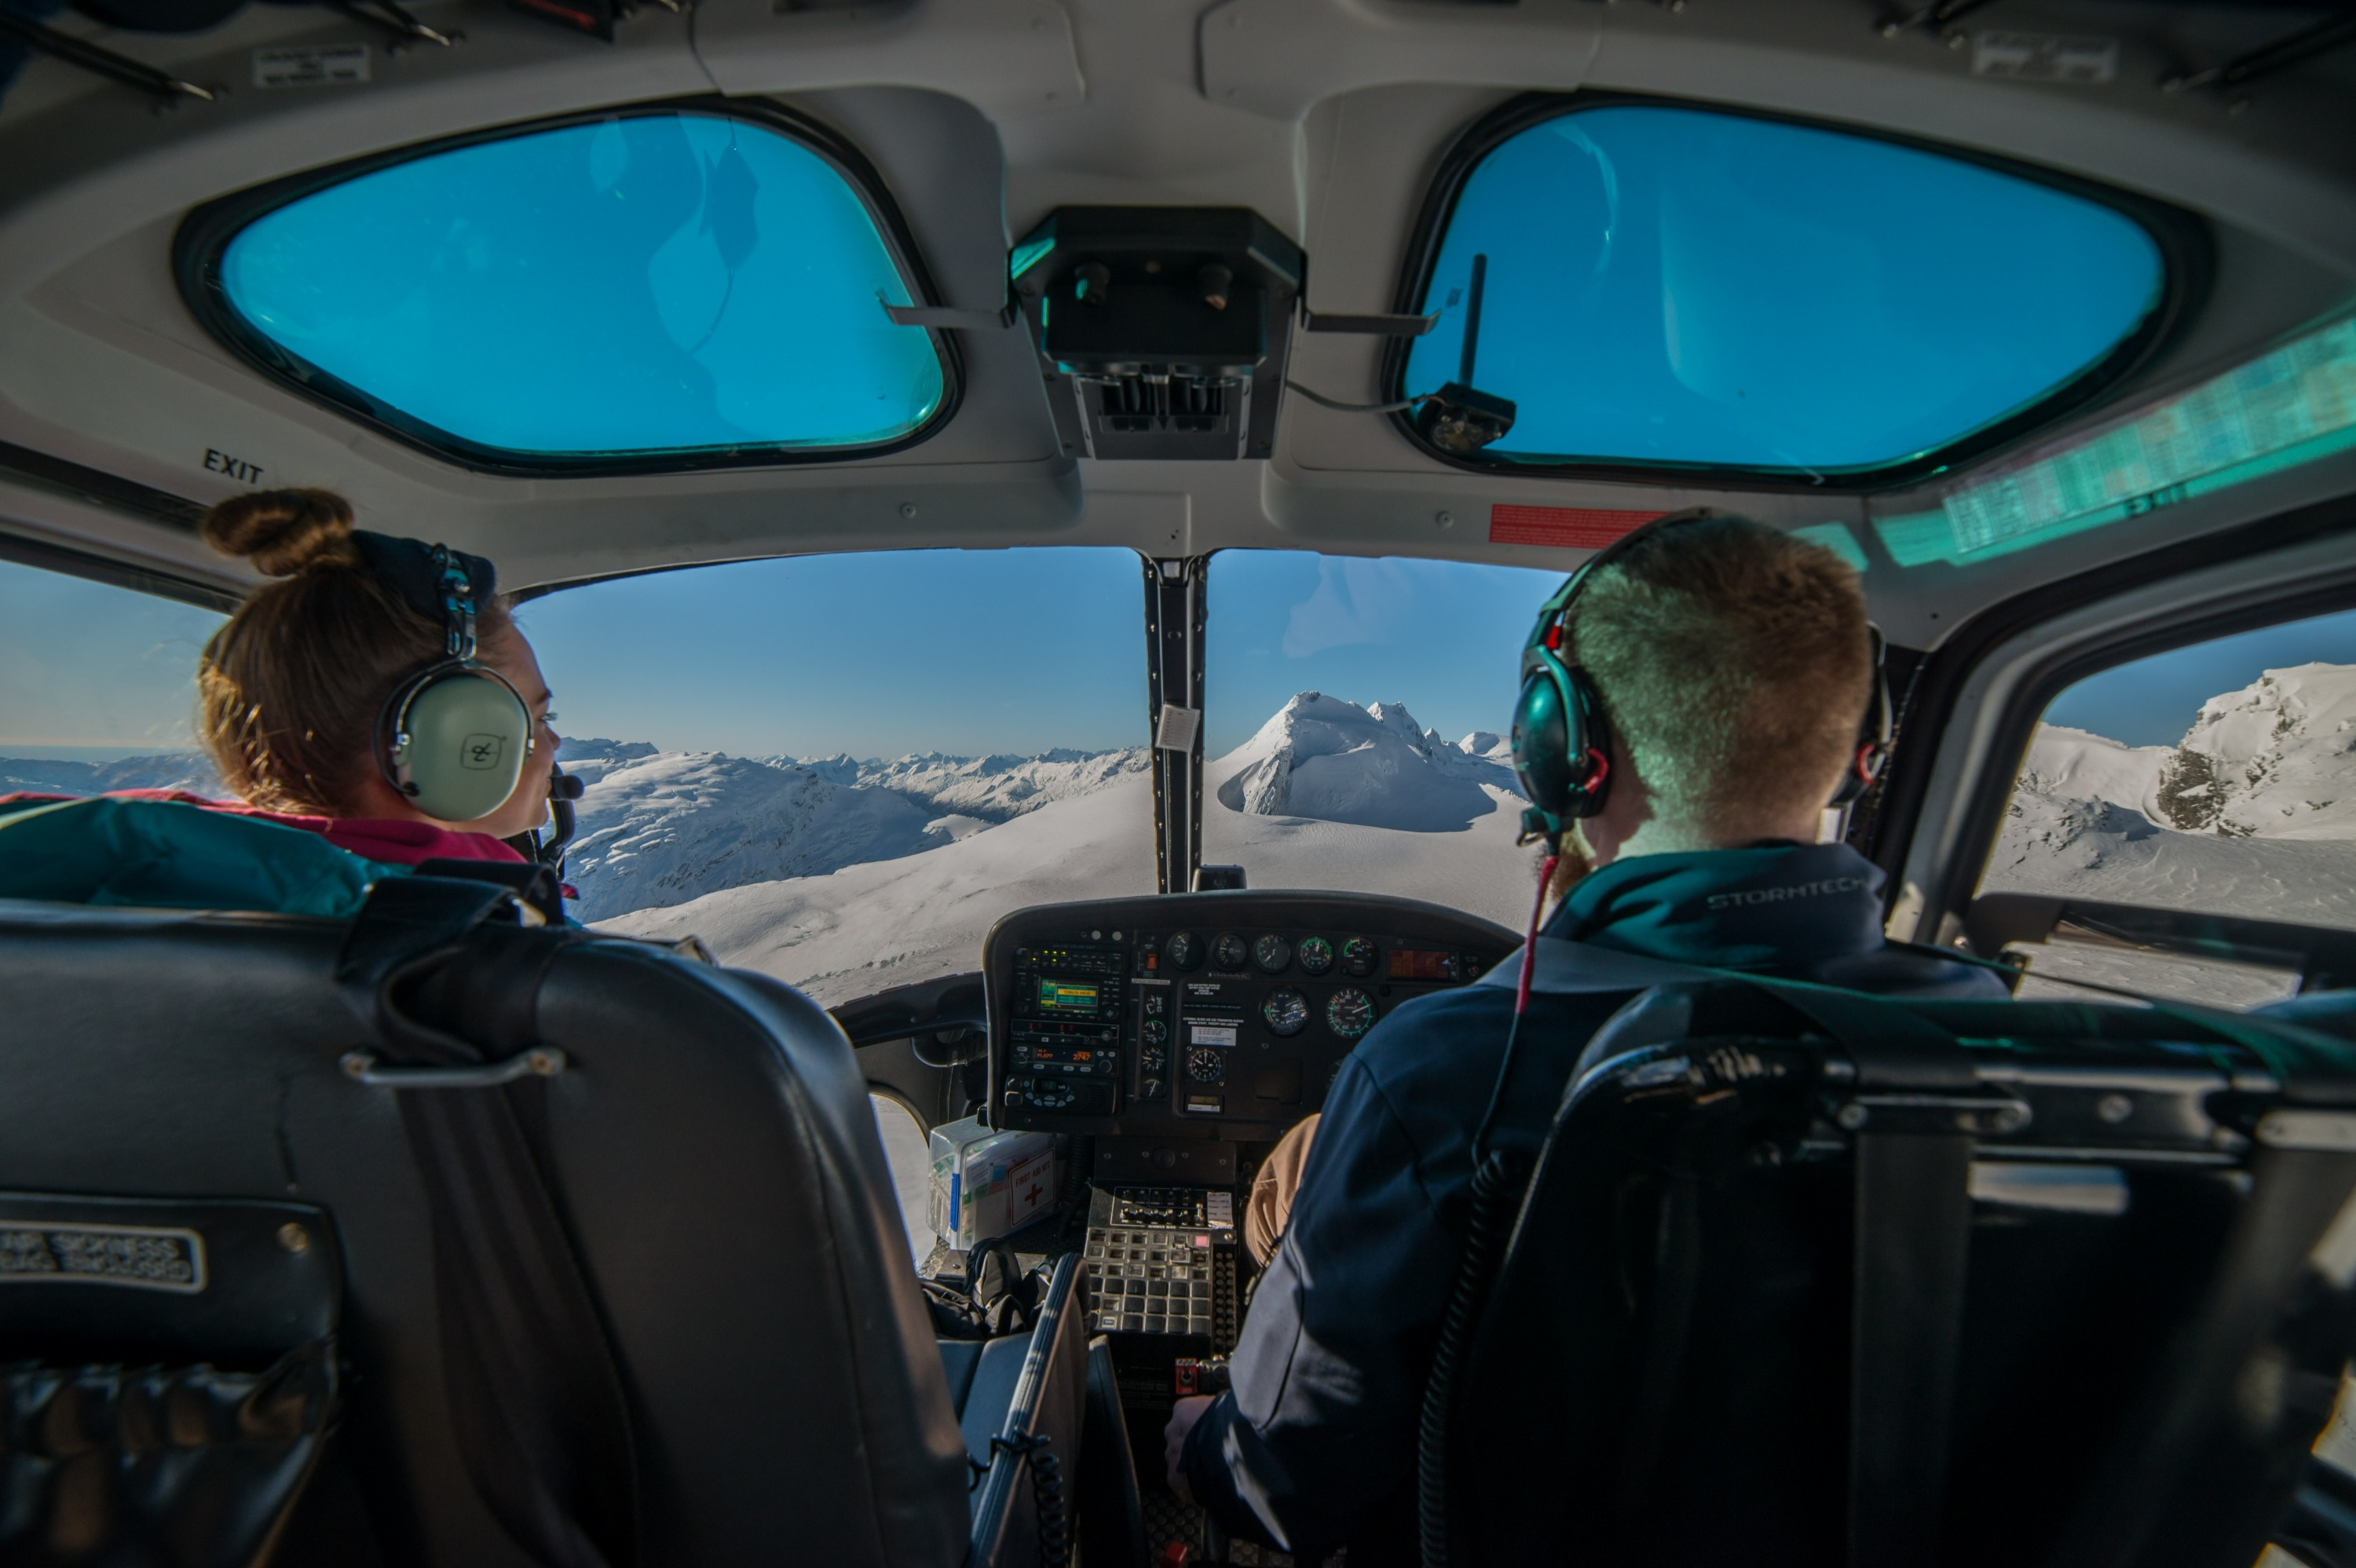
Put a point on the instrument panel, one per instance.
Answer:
(1213, 1014)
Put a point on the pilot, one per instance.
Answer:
(1733, 663)
(306, 695)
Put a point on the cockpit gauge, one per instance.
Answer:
(1286, 1012)
(1315, 954)
(1273, 953)
(1204, 1065)
(1152, 1032)
(1185, 951)
(1358, 956)
(1229, 951)
(1351, 1012)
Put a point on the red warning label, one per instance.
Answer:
(1563, 528)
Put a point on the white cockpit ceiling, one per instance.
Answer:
(1328, 117)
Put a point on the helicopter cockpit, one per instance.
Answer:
(1031, 512)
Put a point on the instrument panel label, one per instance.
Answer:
(1210, 1034)
(143, 1257)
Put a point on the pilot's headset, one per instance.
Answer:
(1562, 744)
(455, 735)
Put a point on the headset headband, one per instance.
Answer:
(424, 576)
(1555, 614)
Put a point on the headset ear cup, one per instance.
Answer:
(1873, 735)
(1590, 747)
(468, 735)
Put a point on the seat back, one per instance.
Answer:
(2141, 1334)
(708, 1152)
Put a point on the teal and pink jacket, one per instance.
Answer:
(171, 850)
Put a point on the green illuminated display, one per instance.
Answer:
(2283, 409)
(1064, 996)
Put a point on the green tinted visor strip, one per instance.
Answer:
(2284, 1048)
(2280, 411)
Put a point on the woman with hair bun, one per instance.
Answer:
(379, 692)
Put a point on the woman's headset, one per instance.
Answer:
(454, 736)
(1561, 741)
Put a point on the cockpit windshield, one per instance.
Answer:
(839, 769)
(1357, 712)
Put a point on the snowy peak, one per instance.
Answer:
(2213, 823)
(1327, 758)
(2272, 760)
(1000, 788)
(593, 759)
(189, 770)
(664, 828)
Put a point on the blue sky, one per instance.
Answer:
(979, 651)
(1443, 637)
(964, 651)
(88, 671)
(2152, 701)
(967, 652)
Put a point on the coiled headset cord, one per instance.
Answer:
(1054, 1509)
(1497, 1183)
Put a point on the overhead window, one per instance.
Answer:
(646, 289)
(1671, 287)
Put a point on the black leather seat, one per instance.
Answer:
(708, 1173)
(2018, 1283)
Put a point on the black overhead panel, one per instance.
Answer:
(1162, 330)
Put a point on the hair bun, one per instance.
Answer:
(282, 532)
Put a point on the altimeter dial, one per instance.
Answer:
(1273, 953)
(1350, 1012)
(1286, 1012)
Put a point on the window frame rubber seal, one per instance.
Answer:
(2188, 267)
(205, 234)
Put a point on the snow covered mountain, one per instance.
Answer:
(190, 770)
(1341, 796)
(662, 827)
(996, 788)
(2274, 760)
(672, 825)
(2253, 812)
(1326, 758)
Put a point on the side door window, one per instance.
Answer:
(2216, 779)
(97, 686)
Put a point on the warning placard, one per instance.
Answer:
(1563, 528)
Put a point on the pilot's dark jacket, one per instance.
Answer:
(1315, 1444)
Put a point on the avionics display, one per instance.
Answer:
(1189, 1018)
(1424, 964)
(1068, 997)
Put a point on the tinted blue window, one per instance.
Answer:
(659, 282)
(1668, 285)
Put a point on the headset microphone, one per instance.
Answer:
(454, 736)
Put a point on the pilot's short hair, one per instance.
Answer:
(1734, 661)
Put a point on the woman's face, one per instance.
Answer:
(525, 809)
